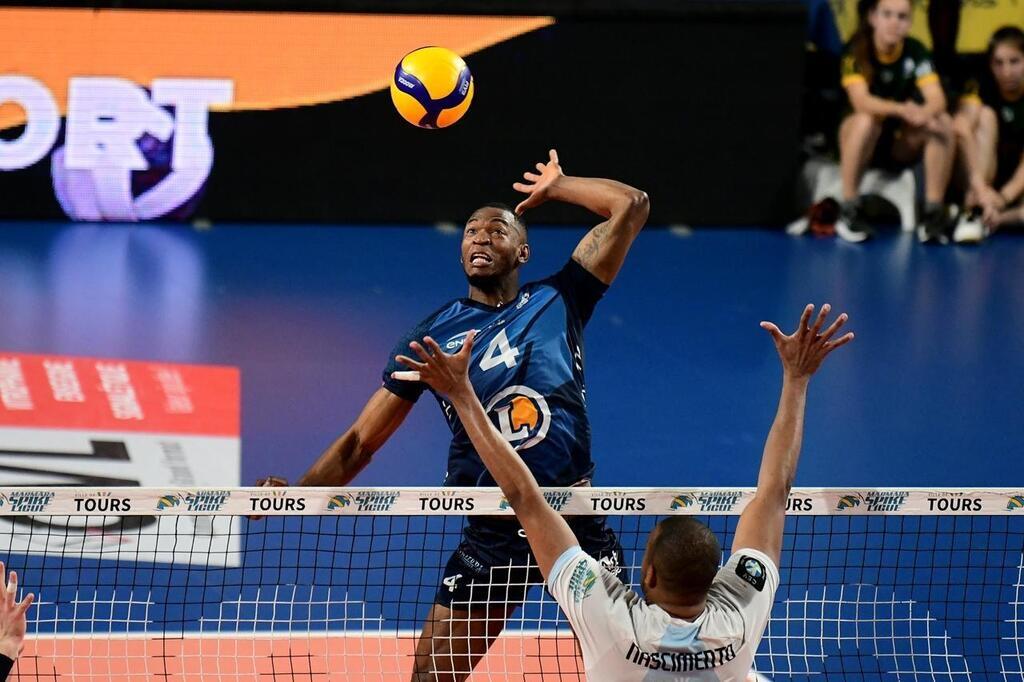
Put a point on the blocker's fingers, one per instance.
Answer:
(521, 187)
(532, 177)
(820, 320)
(435, 349)
(805, 317)
(420, 351)
(841, 341)
(540, 167)
(772, 329)
(467, 345)
(409, 362)
(12, 583)
(834, 327)
(26, 602)
(406, 376)
(553, 155)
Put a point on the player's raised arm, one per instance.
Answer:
(603, 250)
(548, 534)
(351, 452)
(13, 622)
(761, 524)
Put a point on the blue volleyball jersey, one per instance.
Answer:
(527, 370)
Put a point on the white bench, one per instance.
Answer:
(821, 179)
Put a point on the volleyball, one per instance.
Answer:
(432, 87)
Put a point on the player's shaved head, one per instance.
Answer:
(685, 555)
(511, 217)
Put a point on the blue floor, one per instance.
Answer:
(681, 381)
(682, 386)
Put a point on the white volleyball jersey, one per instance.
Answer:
(624, 639)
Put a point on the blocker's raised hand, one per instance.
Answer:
(802, 351)
(442, 372)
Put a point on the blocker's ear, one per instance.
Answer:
(650, 577)
(524, 253)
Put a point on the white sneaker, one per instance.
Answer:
(969, 229)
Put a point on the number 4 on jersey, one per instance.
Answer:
(499, 352)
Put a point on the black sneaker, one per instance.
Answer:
(933, 228)
(851, 225)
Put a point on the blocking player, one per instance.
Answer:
(695, 621)
(13, 622)
(528, 368)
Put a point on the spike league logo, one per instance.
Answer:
(521, 414)
(127, 152)
(194, 501)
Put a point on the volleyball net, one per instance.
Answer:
(335, 584)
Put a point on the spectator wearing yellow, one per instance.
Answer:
(989, 126)
(897, 114)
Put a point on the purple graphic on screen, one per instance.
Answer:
(116, 194)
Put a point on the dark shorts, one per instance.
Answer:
(882, 157)
(892, 129)
(493, 564)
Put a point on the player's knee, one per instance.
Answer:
(864, 124)
(987, 118)
(860, 129)
(942, 127)
(962, 127)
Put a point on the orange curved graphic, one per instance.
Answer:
(524, 413)
(275, 59)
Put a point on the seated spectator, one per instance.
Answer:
(897, 115)
(13, 622)
(990, 133)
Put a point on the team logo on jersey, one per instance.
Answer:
(751, 570)
(453, 344)
(680, 501)
(1008, 114)
(610, 563)
(582, 581)
(521, 414)
(1015, 502)
(848, 502)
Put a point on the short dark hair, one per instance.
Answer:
(505, 207)
(685, 554)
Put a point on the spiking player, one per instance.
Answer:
(528, 369)
(696, 622)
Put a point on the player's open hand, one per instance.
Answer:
(13, 621)
(538, 184)
(442, 372)
(802, 351)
